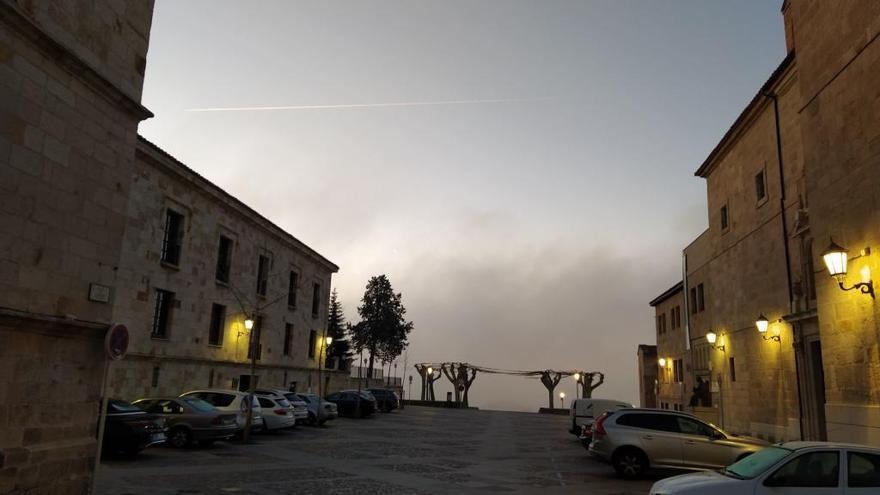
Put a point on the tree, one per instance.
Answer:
(383, 329)
(338, 328)
(550, 379)
(587, 385)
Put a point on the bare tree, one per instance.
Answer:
(551, 379)
(587, 385)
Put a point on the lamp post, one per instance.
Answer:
(577, 382)
(562, 400)
(712, 337)
(252, 347)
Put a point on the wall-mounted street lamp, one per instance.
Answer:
(835, 261)
(763, 324)
(712, 337)
(249, 323)
(662, 362)
(328, 340)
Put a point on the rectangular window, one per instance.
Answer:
(316, 299)
(162, 314)
(254, 346)
(172, 237)
(155, 381)
(218, 321)
(701, 300)
(224, 259)
(313, 340)
(760, 191)
(291, 289)
(732, 370)
(724, 218)
(693, 300)
(679, 370)
(263, 275)
(288, 337)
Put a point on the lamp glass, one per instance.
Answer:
(712, 337)
(577, 376)
(762, 323)
(328, 340)
(430, 371)
(835, 260)
(662, 362)
(561, 395)
(249, 323)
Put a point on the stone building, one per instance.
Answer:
(798, 166)
(196, 263)
(71, 75)
(673, 384)
(647, 360)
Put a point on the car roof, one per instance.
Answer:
(158, 398)
(216, 391)
(655, 410)
(800, 445)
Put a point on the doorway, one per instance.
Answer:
(812, 381)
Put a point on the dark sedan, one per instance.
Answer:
(191, 420)
(386, 400)
(353, 403)
(129, 429)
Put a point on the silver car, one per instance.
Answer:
(633, 440)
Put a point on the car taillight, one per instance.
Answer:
(598, 428)
(281, 412)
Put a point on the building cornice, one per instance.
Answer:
(668, 293)
(70, 61)
(224, 362)
(56, 326)
(156, 155)
(745, 117)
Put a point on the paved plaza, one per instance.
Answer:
(417, 450)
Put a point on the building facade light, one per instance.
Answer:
(835, 257)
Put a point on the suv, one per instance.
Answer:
(386, 400)
(299, 407)
(633, 440)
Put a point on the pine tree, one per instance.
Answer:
(382, 331)
(336, 328)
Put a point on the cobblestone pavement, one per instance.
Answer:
(415, 451)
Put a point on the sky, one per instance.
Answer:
(522, 171)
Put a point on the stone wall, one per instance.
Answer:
(839, 64)
(674, 387)
(70, 83)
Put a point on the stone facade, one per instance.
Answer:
(797, 167)
(674, 384)
(70, 84)
(647, 360)
(185, 354)
(839, 64)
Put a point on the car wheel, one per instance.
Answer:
(630, 462)
(179, 438)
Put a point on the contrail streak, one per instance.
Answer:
(363, 105)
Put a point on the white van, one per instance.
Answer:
(584, 411)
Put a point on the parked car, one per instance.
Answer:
(353, 403)
(793, 467)
(583, 412)
(231, 401)
(277, 412)
(319, 410)
(386, 400)
(633, 440)
(190, 420)
(129, 429)
(300, 408)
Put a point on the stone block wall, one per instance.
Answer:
(839, 66)
(70, 83)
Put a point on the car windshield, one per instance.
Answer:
(283, 402)
(199, 405)
(756, 463)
